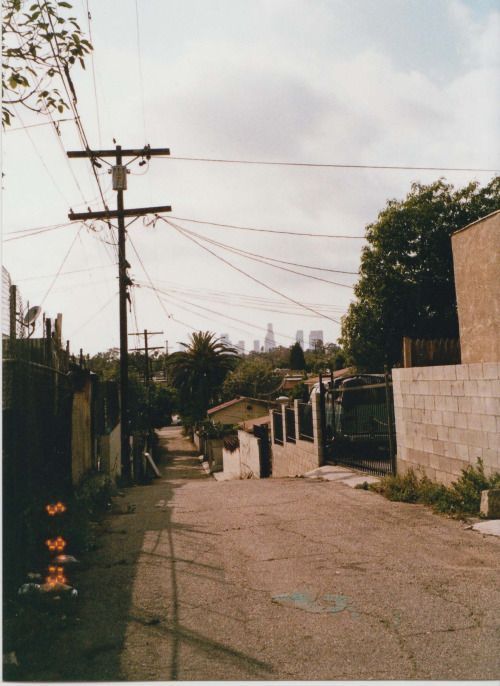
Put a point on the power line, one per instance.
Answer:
(211, 293)
(139, 62)
(89, 18)
(149, 278)
(332, 165)
(263, 230)
(87, 321)
(32, 126)
(253, 278)
(248, 256)
(73, 271)
(49, 173)
(62, 265)
(224, 316)
(27, 233)
(264, 259)
(274, 259)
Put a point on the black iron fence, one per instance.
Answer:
(358, 423)
(277, 427)
(290, 424)
(305, 422)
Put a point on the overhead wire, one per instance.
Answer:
(220, 314)
(226, 296)
(92, 317)
(332, 165)
(49, 173)
(98, 118)
(72, 271)
(266, 230)
(139, 62)
(261, 258)
(62, 265)
(72, 100)
(253, 278)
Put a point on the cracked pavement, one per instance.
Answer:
(281, 579)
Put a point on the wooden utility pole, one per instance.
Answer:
(146, 349)
(119, 172)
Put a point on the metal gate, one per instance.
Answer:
(262, 431)
(358, 423)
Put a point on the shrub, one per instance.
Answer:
(463, 497)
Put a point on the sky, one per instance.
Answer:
(356, 82)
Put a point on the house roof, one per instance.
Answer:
(340, 372)
(235, 401)
(250, 423)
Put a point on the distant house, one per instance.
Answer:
(239, 410)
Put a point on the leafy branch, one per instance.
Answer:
(39, 45)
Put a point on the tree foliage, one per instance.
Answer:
(253, 377)
(297, 359)
(39, 44)
(406, 285)
(198, 372)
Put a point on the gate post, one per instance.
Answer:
(390, 427)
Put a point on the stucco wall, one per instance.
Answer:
(245, 461)
(447, 417)
(295, 459)
(239, 412)
(476, 261)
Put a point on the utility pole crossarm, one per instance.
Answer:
(109, 214)
(155, 347)
(134, 152)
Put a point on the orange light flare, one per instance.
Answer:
(54, 544)
(56, 576)
(56, 509)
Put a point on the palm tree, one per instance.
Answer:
(199, 371)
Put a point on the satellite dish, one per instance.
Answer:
(32, 315)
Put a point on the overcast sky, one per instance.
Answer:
(376, 82)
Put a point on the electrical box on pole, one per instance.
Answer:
(119, 175)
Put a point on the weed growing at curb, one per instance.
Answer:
(462, 497)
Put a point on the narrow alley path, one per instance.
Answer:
(280, 579)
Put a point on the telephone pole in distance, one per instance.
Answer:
(119, 172)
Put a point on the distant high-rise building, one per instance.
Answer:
(299, 338)
(314, 338)
(240, 347)
(256, 346)
(269, 342)
(224, 338)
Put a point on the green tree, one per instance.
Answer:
(253, 377)
(406, 285)
(39, 44)
(198, 372)
(297, 359)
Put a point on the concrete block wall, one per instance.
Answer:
(295, 459)
(447, 417)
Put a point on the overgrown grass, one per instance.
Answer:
(462, 497)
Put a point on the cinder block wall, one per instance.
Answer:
(295, 459)
(447, 417)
